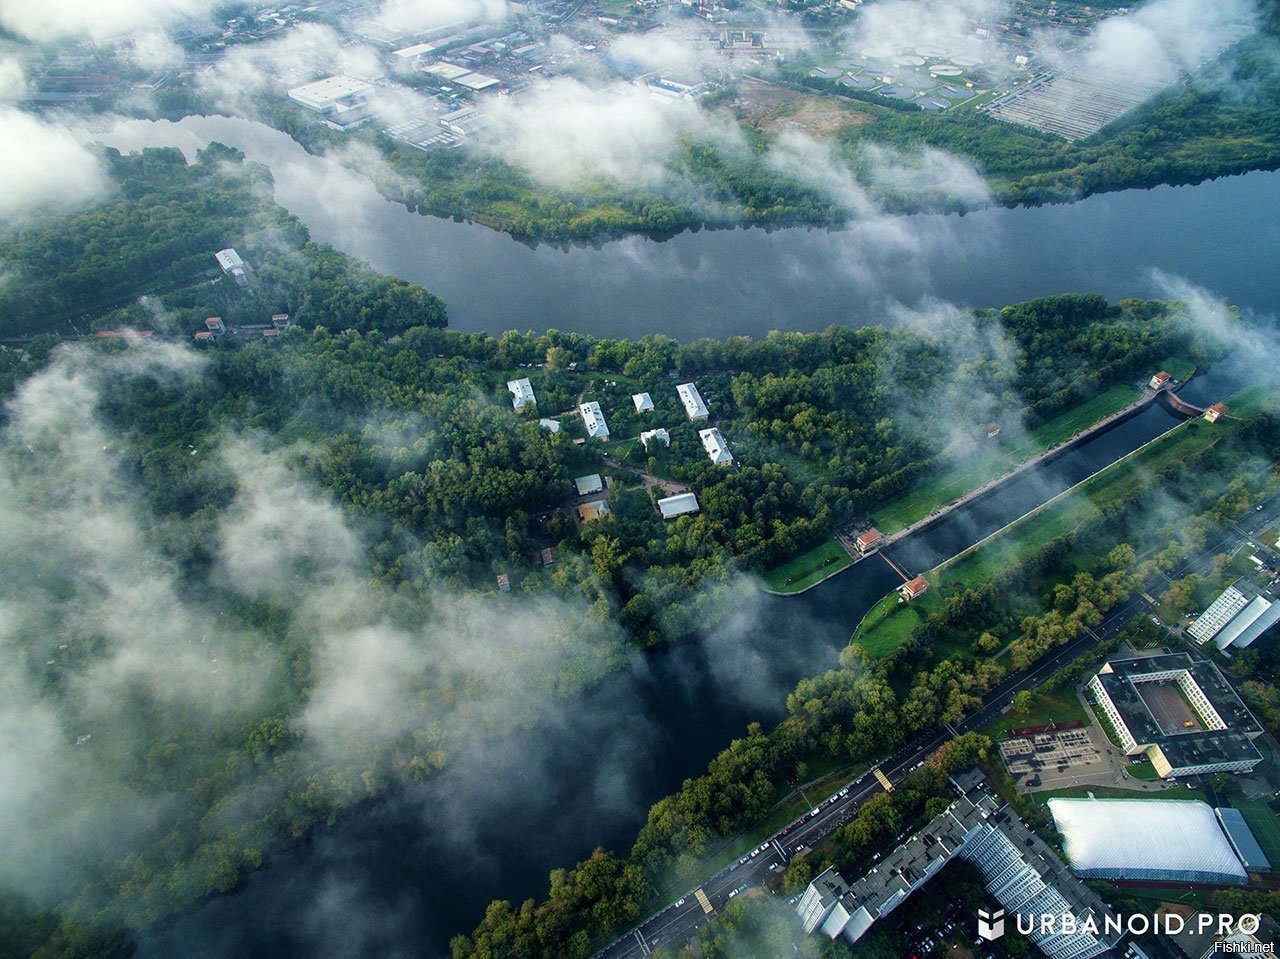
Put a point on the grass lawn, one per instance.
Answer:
(808, 568)
(1111, 792)
(1248, 401)
(1266, 829)
(1178, 367)
(1269, 537)
(993, 462)
(1058, 706)
(1144, 771)
(892, 631)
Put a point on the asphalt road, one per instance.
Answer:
(681, 919)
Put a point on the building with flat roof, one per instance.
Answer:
(521, 393)
(589, 484)
(1243, 842)
(551, 426)
(692, 401)
(1219, 613)
(230, 262)
(1018, 868)
(672, 506)
(717, 449)
(593, 419)
(333, 97)
(643, 402)
(1160, 840)
(659, 435)
(1236, 618)
(1180, 712)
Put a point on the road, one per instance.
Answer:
(681, 919)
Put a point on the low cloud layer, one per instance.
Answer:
(46, 21)
(114, 654)
(43, 166)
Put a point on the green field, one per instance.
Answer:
(1179, 367)
(1262, 821)
(1000, 458)
(808, 568)
(1059, 706)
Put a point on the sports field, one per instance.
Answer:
(1266, 829)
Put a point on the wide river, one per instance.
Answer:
(403, 875)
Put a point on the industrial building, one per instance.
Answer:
(1220, 612)
(672, 506)
(1018, 868)
(1159, 840)
(230, 262)
(521, 393)
(692, 401)
(341, 100)
(1181, 713)
(655, 436)
(717, 449)
(643, 402)
(593, 419)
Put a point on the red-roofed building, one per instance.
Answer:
(1159, 380)
(911, 590)
(204, 336)
(1217, 410)
(214, 324)
(869, 542)
(125, 334)
(993, 430)
(279, 320)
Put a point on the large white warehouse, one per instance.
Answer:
(1168, 840)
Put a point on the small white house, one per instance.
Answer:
(593, 419)
(551, 426)
(521, 393)
(589, 484)
(716, 447)
(692, 401)
(655, 436)
(643, 401)
(673, 506)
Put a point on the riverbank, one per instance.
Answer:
(819, 564)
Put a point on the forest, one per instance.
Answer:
(360, 481)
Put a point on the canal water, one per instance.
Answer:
(403, 875)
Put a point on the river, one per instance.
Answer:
(1220, 235)
(405, 874)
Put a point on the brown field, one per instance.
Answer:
(779, 110)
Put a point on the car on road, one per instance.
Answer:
(843, 792)
(733, 893)
(763, 847)
(816, 811)
(679, 902)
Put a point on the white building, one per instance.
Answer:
(551, 426)
(643, 402)
(672, 506)
(521, 393)
(1161, 840)
(230, 262)
(332, 96)
(692, 401)
(1233, 619)
(593, 419)
(716, 447)
(1220, 612)
(589, 484)
(655, 436)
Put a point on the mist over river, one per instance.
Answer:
(400, 876)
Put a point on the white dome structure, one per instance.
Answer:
(1169, 840)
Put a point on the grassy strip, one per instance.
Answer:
(1056, 706)
(808, 568)
(987, 465)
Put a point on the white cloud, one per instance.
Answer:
(412, 16)
(49, 20)
(43, 166)
(569, 132)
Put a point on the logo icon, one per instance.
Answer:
(990, 924)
